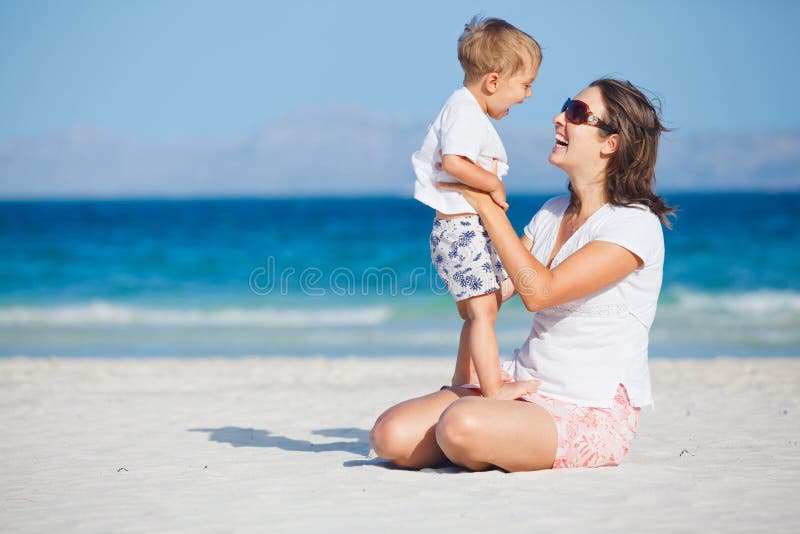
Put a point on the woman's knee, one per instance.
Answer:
(458, 425)
(390, 437)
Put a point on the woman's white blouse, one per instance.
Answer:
(582, 350)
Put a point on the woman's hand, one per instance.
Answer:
(507, 289)
(459, 379)
(516, 390)
(480, 200)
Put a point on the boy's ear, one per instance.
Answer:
(491, 82)
(610, 145)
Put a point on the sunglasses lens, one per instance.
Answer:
(576, 112)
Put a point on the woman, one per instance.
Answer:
(590, 263)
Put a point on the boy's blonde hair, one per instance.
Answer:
(494, 45)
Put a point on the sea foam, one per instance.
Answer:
(98, 313)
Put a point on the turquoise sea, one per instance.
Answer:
(349, 276)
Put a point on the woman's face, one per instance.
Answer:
(579, 148)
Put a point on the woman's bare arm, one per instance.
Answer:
(590, 269)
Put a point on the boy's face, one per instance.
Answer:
(509, 91)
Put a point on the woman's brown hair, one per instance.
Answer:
(631, 170)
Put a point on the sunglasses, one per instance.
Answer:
(577, 112)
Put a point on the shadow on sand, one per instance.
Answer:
(358, 444)
(358, 439)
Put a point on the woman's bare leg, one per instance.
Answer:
(479, 433)
(405, 433)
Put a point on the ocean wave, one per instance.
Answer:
(744, 302)
(752, 318)
(101, 313)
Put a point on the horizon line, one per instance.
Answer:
(350, 195)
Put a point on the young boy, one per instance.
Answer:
(500, 63)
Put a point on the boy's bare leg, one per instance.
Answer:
(482, 341)
(485, 353)
(465, 371)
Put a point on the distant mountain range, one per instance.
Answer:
(351, 152)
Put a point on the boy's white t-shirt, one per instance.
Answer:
(582, 350)
(462, 129)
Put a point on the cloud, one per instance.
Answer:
(348, 151)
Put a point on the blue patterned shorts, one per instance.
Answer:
(463, 255)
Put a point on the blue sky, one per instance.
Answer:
(189, 72)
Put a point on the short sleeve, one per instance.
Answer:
(530, 228)
(636, 229)
(463, 131)
(549, 209)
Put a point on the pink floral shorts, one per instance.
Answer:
(591, 437)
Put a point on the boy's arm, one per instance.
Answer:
(465, 171)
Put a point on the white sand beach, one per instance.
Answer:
(281, 445)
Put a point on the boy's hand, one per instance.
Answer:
(499, 194)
